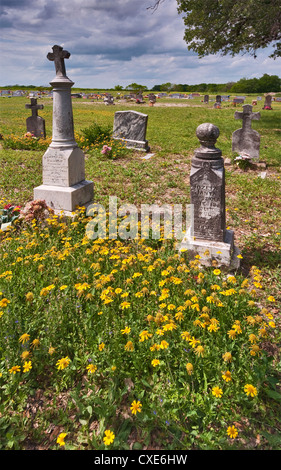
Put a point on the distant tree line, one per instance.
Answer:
(265, 84)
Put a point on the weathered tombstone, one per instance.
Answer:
(267, 102)
(206, 99)
(278, 99)
(246, 140)
(210, 239)
(131, 126)
(35, 124)
(139, 99)
(238, 101)
(217, 104)
(64, 186)
(152, 99)
(108, 100)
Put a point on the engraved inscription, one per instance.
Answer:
(55, 170)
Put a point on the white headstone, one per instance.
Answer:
(64, 186)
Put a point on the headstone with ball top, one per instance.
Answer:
(210, 239)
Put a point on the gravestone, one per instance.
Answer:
(238, 101)
(278, 99)
(139, 99)
(35, 124)
(217, 104)
(64, 186)
(108, 100)
(267, 102)
(152, 99)
(246, 140)
(131, 126)
(206, 99)
(208, 233)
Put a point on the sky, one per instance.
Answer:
(111, 42)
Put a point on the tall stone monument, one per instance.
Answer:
(246, 140)
(34, 123)
(209, 237)
(64, 186)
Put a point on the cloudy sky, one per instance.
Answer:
(112, 42)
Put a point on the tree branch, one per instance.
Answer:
(155, 6)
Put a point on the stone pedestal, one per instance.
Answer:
(64, 186)
(208, 236)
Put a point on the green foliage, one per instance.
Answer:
(265, 84)
(96, 133)
(101, 324)
(228, 26)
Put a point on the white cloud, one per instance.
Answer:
(111, 42)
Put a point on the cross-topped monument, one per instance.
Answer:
(35, 124)
(58, 55)
(64, 185)
(246, 140)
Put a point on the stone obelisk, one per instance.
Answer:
(64, 186)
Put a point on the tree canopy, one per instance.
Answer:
(230, 26)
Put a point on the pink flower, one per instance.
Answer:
(106, 149)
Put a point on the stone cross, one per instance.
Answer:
(35, 124)
(34, 106)
(58, 55)
(246, 140)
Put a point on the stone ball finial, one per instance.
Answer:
(207, 134)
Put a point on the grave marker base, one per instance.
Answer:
(64, 198)
(223, 253)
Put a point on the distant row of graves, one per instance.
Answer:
(139, 97)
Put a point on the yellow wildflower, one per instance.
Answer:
(136, 407)
(60, 439)
(109, 437)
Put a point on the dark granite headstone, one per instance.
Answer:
(207, 235)
(206, 99)
(35, 124)
(207, 187)
(246, 140)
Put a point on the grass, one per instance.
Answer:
(90, 327)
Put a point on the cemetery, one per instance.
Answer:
(164, 343)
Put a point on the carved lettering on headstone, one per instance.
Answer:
(207, 196)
